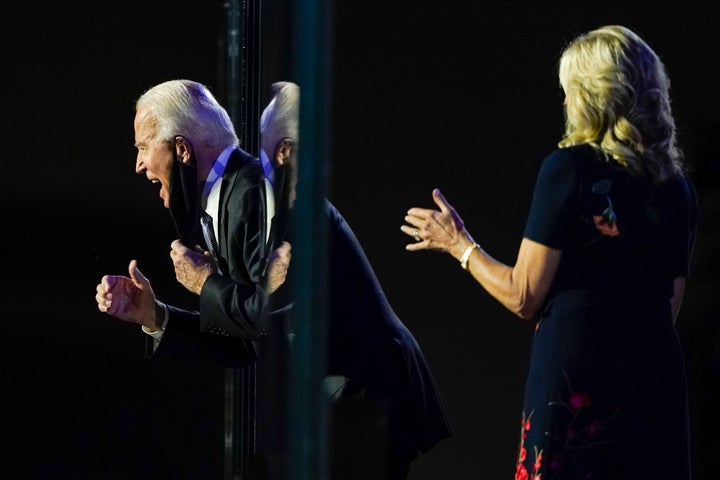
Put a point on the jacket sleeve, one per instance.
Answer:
(231, 302)
(183, 341)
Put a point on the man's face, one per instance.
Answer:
(154, 157)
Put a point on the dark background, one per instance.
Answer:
(464, 98)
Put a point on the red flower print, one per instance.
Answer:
(538, 462)
(579, 400)
(605, 229)
(607, 222)
(577, 436)
(521, 472)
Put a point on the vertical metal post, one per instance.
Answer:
(242, 70)
(310, 61)
(241, 78)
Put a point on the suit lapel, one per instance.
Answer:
(238, 159)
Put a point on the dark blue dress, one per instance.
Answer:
(606, 390)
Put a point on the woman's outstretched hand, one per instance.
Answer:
(441, 230)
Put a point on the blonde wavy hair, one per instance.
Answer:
(617, 99)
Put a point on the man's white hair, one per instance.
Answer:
(279, 120)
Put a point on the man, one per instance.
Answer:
(387, 409)
(187, 144)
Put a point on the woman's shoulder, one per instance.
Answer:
(584, 161)
(567, 162)
(574, 155)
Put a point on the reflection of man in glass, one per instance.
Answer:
(386, 407)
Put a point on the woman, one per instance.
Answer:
(601, 268)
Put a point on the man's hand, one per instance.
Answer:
(192, 267)
(279, 263)
(128, 298)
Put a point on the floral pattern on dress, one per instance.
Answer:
(606, 222)
(572, 444)
(521, 471)
(598, 213)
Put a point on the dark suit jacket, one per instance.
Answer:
(226, 330)
(372, 348)
(230, 303)
(369, 344)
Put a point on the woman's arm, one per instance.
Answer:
(521, 288)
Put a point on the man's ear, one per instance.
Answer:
(183, 149)
(283, 151)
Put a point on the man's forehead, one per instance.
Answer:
(145, 127)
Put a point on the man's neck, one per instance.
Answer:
(205, 160)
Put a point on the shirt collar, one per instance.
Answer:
(216, 173)
(267, 166)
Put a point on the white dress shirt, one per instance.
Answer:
(209, 201)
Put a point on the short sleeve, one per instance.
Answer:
(555, 188)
